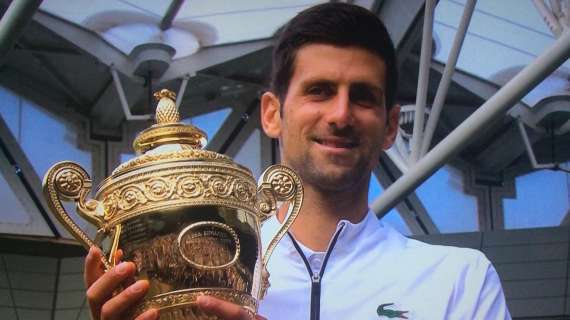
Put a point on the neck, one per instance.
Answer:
(322, 211)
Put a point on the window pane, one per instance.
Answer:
(10, 109)
(454, 212)
(48, 139)
(250, 153)
(541, 200)
(45, 139)
(501, 34)
(209, 122)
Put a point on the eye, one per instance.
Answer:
(320, 91)
(366, 96)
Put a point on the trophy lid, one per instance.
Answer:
(168, 130)
(172, 171)
(169, 139)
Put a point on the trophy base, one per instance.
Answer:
(181, 304)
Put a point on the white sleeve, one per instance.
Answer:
(478, 293)
(491, 303)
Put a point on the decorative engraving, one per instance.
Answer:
(187, 298)
(131, 196)
(242, 191)
(190, 186)
(172, 133)
(141, 193)
(209, 245)
(219, 186)
(68, 182)
(283, 185)
(188, 154)
(158, 189)
(266, 204)
(111, 206)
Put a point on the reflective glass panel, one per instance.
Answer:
(453, 212)
(542, 200)
(210, 122)
(250, 153)
(503, 37)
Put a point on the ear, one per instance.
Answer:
(392, 126)
(271, 115)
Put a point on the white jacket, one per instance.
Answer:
(374, 272)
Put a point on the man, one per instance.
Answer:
(331, 106)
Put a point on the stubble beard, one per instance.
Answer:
(334, 180)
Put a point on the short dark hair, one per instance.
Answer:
(338, 24)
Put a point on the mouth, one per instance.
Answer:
(337, 143)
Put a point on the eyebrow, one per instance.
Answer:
(357, 84)
(366, 85)
(316, 81)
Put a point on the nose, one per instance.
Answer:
(339, 113)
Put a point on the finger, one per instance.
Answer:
(102, 289)
(94, 268)
(150, 314)
(223, 309)
(118, 257)
(117, 307)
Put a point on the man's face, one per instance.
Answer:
(334, 121)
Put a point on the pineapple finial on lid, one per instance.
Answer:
(168, 129)
(166, 110)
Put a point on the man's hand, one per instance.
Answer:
(101, 285)
(224, 309)
(106, 306)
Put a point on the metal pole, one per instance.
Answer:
(563, 128)
(446, 77)
(182, 89)
(396, 157)
(170, 14)
(529, 151)
(491, 110)
(550, 20)
(14, 21)
(123, 99)
(423, 79)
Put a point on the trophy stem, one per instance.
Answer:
(115, 245)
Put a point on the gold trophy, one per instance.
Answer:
(188, 218)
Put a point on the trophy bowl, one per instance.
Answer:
(188, 218)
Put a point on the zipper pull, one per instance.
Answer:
(316, 278)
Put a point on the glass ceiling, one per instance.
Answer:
(128, 23)
(503, 37)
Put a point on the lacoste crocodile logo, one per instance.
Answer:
(390, 313)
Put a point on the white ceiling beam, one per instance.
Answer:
(87, 40)
(207, 57)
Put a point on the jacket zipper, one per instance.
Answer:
(316, 277)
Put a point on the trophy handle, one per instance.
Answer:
(278, 183)
(68, 181)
